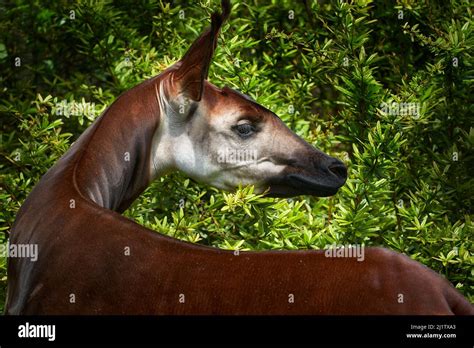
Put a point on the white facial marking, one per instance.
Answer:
(184, 156)
(161, 152)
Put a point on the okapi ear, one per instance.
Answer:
(194, 66)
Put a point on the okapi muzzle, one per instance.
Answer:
(307, 170)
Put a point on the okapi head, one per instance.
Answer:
(225, 139)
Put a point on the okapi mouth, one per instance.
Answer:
(296, 184)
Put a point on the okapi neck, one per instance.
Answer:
(113, 167)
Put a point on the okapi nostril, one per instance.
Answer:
(339, 170)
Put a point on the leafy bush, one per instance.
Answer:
(385, 87)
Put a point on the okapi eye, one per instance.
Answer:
(244, 130)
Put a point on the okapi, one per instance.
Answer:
(179, 121)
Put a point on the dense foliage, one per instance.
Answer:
(384, 86)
